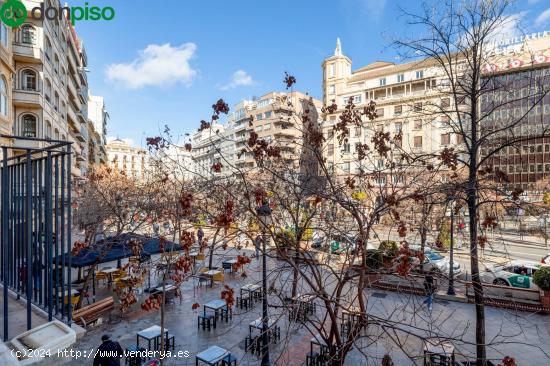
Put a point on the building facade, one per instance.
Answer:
(7, 73)
(213, 146)
(403, 94)
(50, 88)
(132, 161)
(97, 129)
(413, 101)
(519, 96)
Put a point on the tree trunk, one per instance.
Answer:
(474, 262)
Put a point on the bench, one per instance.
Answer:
(91, 313)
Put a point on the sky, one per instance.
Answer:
(166, 62)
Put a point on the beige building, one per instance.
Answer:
(6, 79)
(403, 94)
(410, 98)
(133, 161)
(271, 122)
(50, 93)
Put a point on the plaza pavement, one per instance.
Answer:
(521, 335)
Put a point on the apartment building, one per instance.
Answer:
(275, 118)
(50, 92)
(6, 79)
(97, 129)
(409, 99)
(175, 161)
(213, 146)
(133, 161)
(403, 94)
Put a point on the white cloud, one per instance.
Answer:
(239, 78)
(156, 65)
(129, 141)
(509, 27)
(543, 18)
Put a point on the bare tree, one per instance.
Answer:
(489, 112)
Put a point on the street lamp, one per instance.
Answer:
(451, 289)
(264, 214)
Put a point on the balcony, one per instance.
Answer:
(73, 94)
(27, 53)
(27, 98)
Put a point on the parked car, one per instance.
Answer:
(433, 261)
(517, 273)
(335, 244)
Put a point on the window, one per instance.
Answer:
(267, 114)
(48, 90)
(382, 82)
(3, 97)
(29, 126)
(28, 79)
(330, 134)
(400, 78)
(417, 124)
(357, 131)
(346, 167)
(259, 117)
(346, 148)
(397, 110)
(56, 134)
(357, 99)
(418, 142)
(420, 74)
(4, 34)
(398, 127)
(445, 102)
(28, 34)
(445, 121)
(459, 138)
(48, 133)
(56, 101)
(331, 70)
(331, 89)
(379, 112)
(445, 139)
(56, 64)
(417, 106)
(330, 149)
(48, 49)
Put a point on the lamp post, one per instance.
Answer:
(451, 289)
(264, 214)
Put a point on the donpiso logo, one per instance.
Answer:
(14, 13)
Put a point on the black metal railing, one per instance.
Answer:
(35, 192)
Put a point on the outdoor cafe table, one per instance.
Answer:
(228, 264)
(167, 288)
(211, 274)
(215, 305)
(318, 340)
(109, 272)
(259, 324)
(212, 355)
(150, 334)
(306, 301)
(251, 289)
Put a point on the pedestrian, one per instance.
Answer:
(200, 235)
(429, 286)
(257, 243)
(109, 353)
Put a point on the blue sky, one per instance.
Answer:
(167, 64)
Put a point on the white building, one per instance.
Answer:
(133, 161)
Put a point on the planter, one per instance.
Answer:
(49, 338)
(545, 298)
